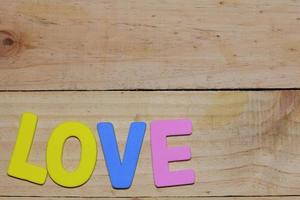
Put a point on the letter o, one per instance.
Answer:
(88, 158)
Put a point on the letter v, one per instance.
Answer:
(121, 173)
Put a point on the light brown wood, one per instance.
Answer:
(172, 44)
(243, 143)
(156, 198)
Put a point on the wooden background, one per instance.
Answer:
(231, 66)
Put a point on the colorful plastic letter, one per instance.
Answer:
(55, 150)
(18, 167)
(162, 155)
(121, 173)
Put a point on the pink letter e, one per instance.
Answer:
(162, 155)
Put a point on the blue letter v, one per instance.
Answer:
(121, 173)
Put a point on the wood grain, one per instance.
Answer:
(155, 198)
(132, 44)
(243, 143)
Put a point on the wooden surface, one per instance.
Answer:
(243, 143)
(188, 198)
(147, 198)
(133, 44)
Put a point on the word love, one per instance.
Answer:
(121, 172)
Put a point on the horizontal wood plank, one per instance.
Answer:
(132, 44)
(243, 143)
(155, 198)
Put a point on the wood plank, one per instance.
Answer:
(243, 143)
(155, 198)
(132, 44)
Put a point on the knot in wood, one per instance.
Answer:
(9, 43)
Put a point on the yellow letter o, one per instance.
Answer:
(88, 159)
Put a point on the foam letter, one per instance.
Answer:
(121, 173)
(162, 155)
(19, 167)
(55, 150)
